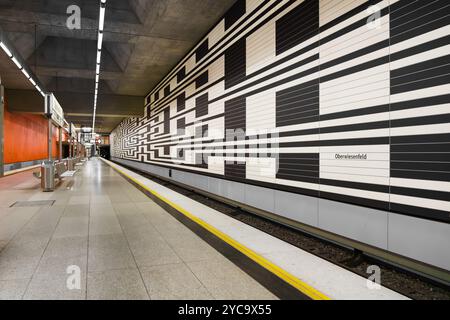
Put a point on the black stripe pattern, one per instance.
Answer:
(350, 101)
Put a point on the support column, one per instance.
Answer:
(2, 128)
(60, 143)
(49, 136)
(70, 146)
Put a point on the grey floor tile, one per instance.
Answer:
(126, 208)
(48, 215)
(60, 254)
(104, 224)
(66, 247)
(50, 267)
(102, 209)
(4, 212)
(118, 197)
(29, 241)
(81, 196)
(43, 224)
(18, 269)
(79, 199)
(109, 252)
(100, 199)
(13, 289)
(9, 197)
(173, 230)
(173, 282)
(135, 222)
(187, 245)
(137, 196)
(79, 210)
(40, 196)
(151, 250)
(225, 281)
(69, 227)
(125, 284)
(15, 220)
(21, 249)
(150, 207)
(61, 200)
(55, 288)
(162, 218)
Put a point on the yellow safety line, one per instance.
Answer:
(283, 274)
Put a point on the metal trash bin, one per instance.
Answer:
(48, 176)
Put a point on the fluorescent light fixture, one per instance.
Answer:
(40, 91)
(101, 23)
(100, 41)
(19, 65)
(26, 73)
(5, 48)
(101, 19)
(16, 62)
(99, 56)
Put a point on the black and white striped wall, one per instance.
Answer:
(332, 113)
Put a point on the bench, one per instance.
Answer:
(78, 161)
(60, 171)
(37, 174)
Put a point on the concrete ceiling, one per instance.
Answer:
(143, 40)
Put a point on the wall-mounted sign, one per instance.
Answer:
(73, 131)
(54, 109)
(351, 156)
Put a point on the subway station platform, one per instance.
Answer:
(225, 150)
(126, 246)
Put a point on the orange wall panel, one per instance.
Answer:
(25, 137)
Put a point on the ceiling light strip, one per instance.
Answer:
(21, 67)
(101, 23)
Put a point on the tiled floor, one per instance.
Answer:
(125, 245)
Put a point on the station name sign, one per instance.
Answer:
(54, 109)
(351, 156)
(73, 131)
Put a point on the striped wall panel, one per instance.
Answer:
(343, 100)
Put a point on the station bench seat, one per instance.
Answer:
(60, 170)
